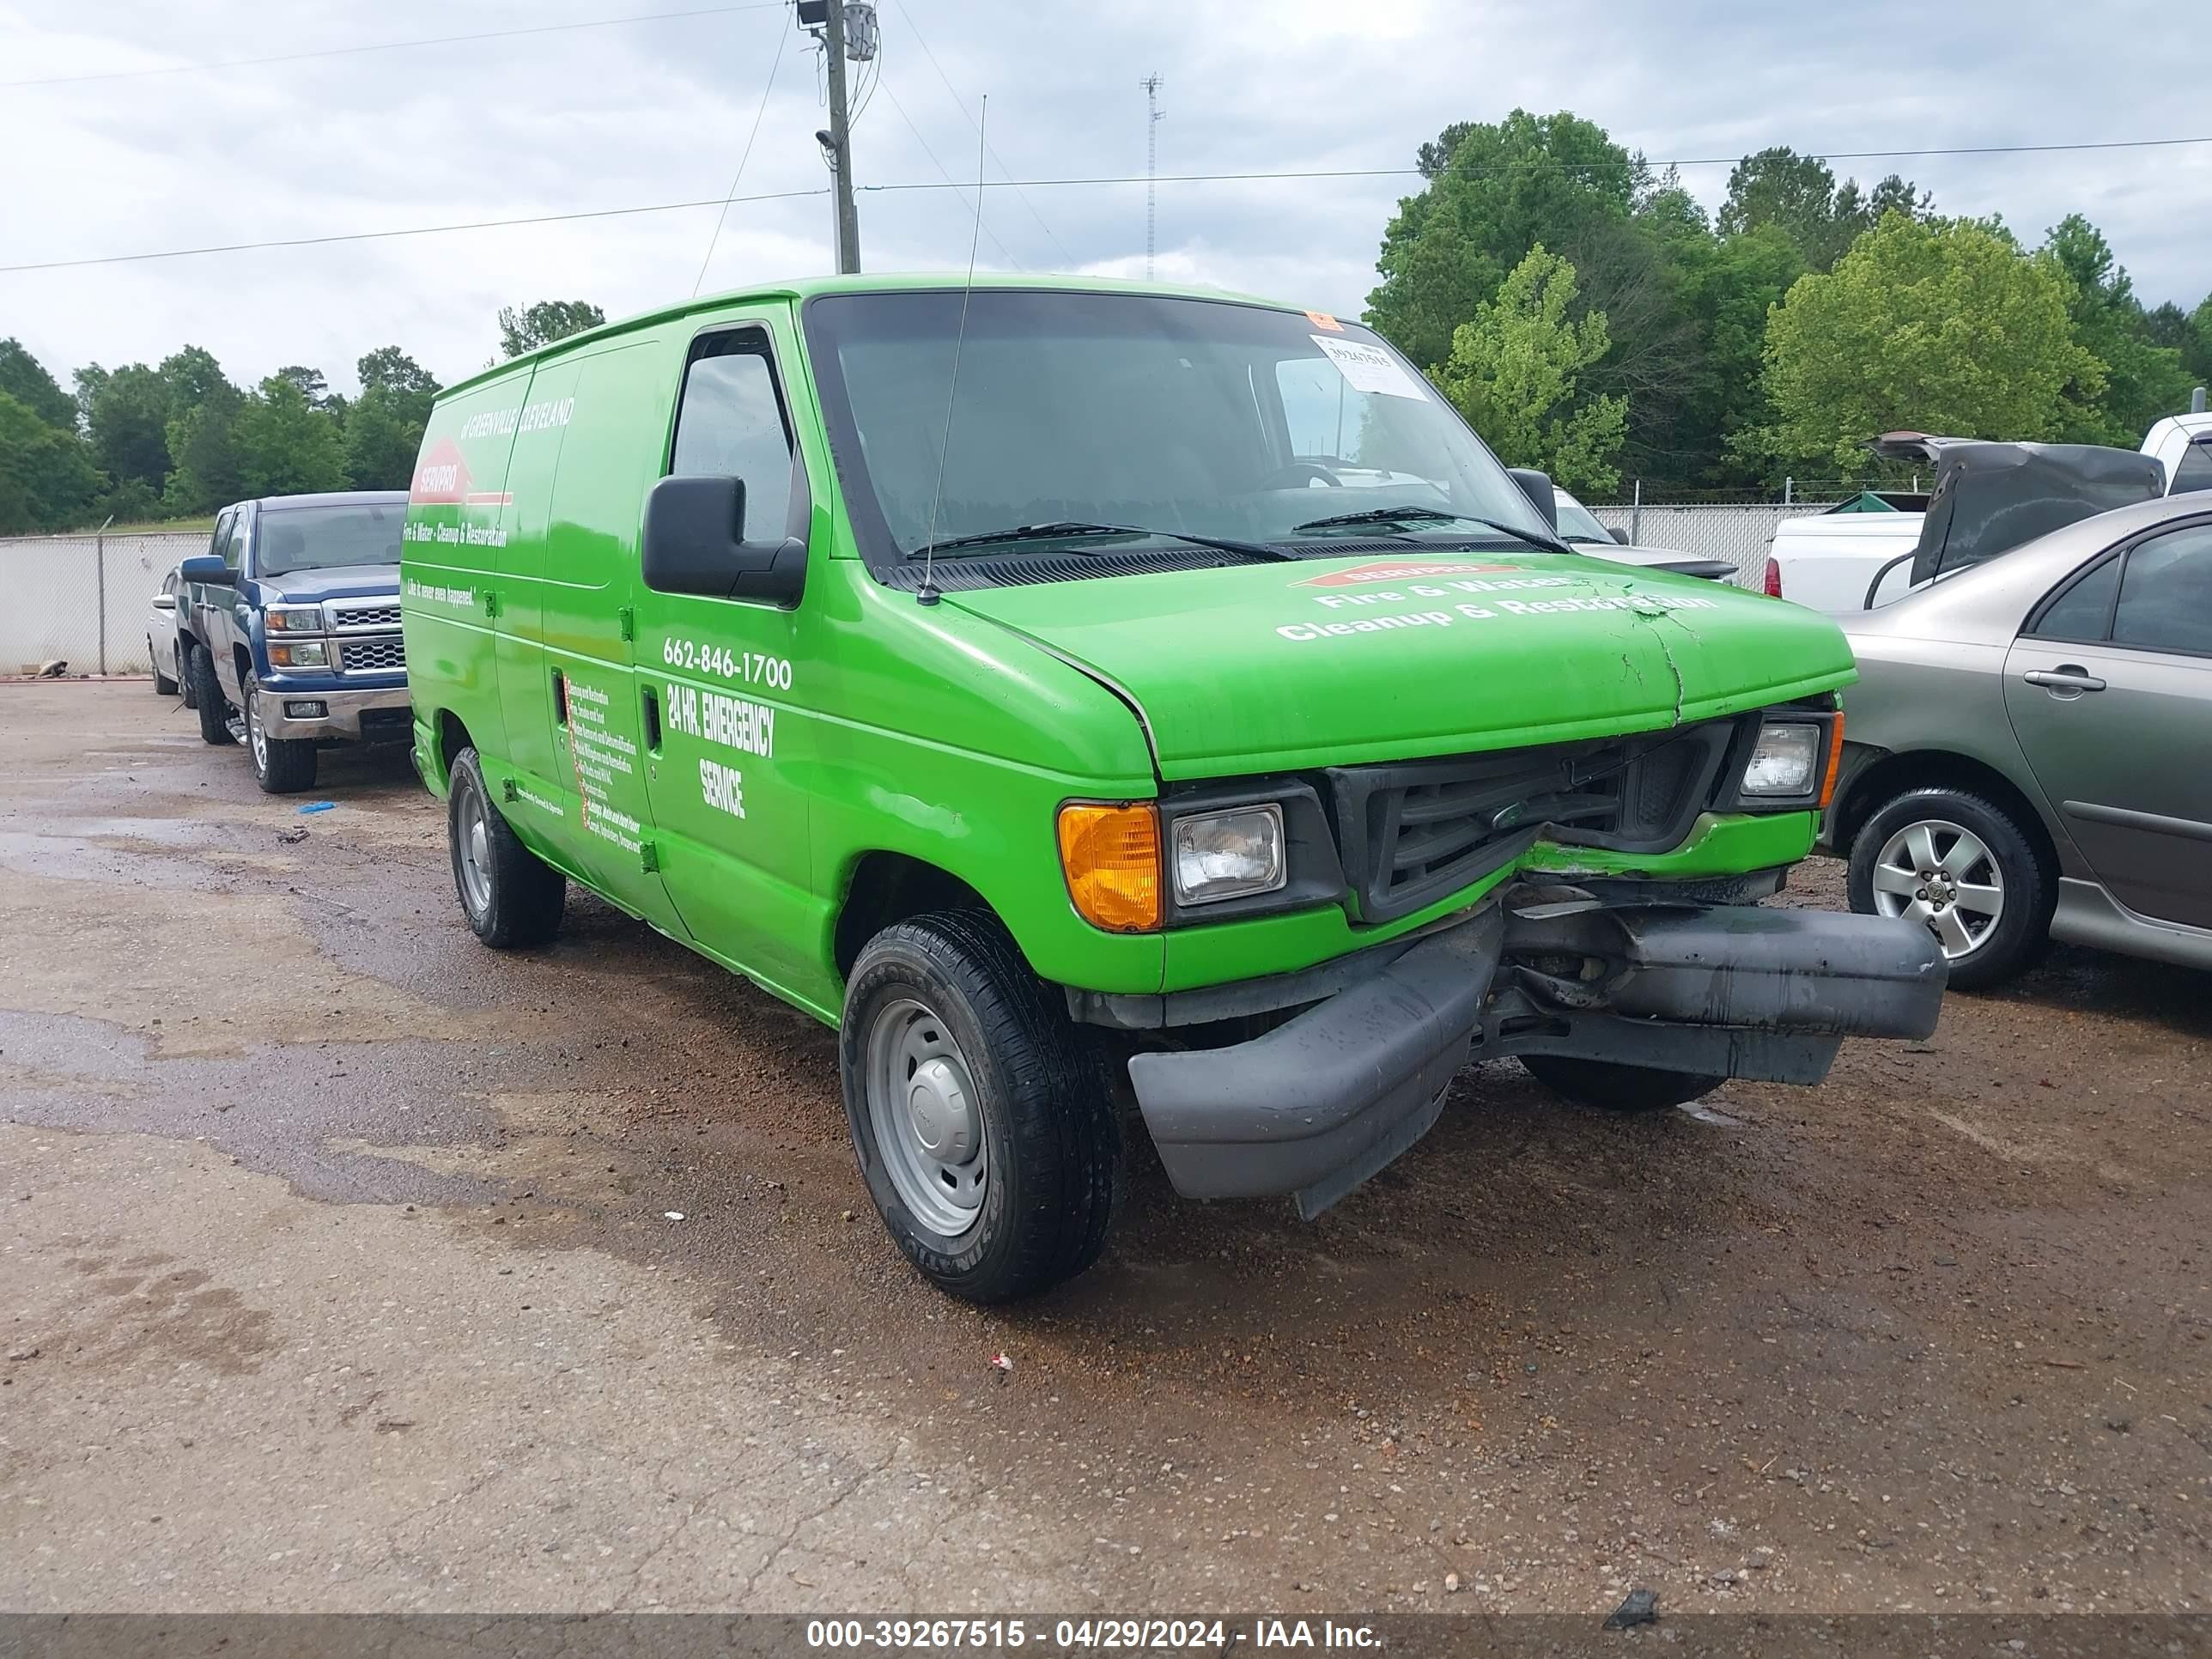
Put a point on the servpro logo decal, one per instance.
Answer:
(1398, 570)
(442, 479)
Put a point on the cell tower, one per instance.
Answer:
(1153, 116)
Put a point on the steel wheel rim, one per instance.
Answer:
(472, 850)
(256, 738)
(926, 1117)
(1943, 875)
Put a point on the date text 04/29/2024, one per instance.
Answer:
(1084, 1635)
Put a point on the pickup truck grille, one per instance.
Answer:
(349, 616)
(373, 653)
(1412, 832)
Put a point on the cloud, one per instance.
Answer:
(658, 112)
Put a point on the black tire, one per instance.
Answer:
(163, 685)
(184, 674)
(282, 766)
(1044, 1095)
(522, 896)
(207, 700)
(2010, 945)
(1616, 1088)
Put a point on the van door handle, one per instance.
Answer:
(649, 700)
(2067, 680)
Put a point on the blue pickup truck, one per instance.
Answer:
(288, 633)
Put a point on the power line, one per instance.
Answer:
(949, 183)
(413, 230)
(1043, 184)
(1006, 171)
(394, 46)
(775, 63)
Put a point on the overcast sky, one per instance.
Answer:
(658, 112)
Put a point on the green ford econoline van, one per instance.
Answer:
(1062, 687)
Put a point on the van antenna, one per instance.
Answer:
(928, 594)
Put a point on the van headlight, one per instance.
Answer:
(1228, 854)
(1784, 762)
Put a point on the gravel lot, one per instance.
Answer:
(339, 1274)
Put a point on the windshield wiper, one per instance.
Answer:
(1070, 528)
(1433, 515)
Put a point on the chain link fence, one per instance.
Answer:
(1738, 531)
(86, 600)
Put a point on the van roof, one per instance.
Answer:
(805, 288)
(327, 498)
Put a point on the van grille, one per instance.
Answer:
(376, 654)
(1413, 832)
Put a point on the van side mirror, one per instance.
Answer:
(1619, 535)
(694, 543)
(207, 567)
(1537, 487)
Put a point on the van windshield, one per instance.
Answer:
(326, 538)
(1183, 416)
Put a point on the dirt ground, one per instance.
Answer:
(340, 1269)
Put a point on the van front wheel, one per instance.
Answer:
(982, 1116)
(512, 897)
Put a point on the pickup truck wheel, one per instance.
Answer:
(512, 897)
(1618, 1088)
(1963, 867)
(983, 1117)
(163, 685)
(282, 766)
(207, 700)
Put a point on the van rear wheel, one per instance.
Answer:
(513, 898)
(982, 1116)
(163, 685)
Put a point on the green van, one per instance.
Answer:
(1077, 690)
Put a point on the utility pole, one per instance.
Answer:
(840, 145)
(1153, 116)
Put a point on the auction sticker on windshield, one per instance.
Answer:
(1370, 368)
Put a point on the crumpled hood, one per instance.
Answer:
(1256, 668)
(351, 581)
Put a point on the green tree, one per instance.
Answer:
(543, 322)
(2189, 337)
(1935, 325)
(285, 446)
(1512, 372)
(384, 429)
(47, 480)
(1496, 190)
(1728, 286)
(203, 406)
(24, 378)
(126, 417)
(2142, 379)
(1799, 195)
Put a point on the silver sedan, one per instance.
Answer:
(2028, 753)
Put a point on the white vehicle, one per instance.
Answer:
(1989, 498)
(2182, 444)
(162, 636)
(1580, 530)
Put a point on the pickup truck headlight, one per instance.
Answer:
(1226, 855)
(299, 654)
(294, 618)
(1784, 762)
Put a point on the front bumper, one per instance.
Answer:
(1322, 1102)
(388, 708)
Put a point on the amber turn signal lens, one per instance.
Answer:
(1835, 761)
(1112, 858)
